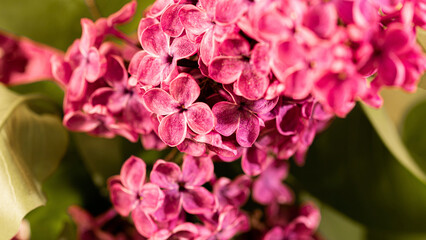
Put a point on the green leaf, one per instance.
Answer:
(31, 147)
(391, 138)
(350, 169)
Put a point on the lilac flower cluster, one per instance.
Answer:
(223, 80)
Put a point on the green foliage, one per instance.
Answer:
(31, 146)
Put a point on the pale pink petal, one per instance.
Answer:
(150, 70)
(144, 24)
(165, 174)
(208, 47)
(123, 200)
(151, 198)
(172, 129)
(154, 41)
(135, 62)
(143, 223)
(160, 102)
(228, 11)
(200, 118)
(197, 170)
(124, 14)
(96, 65)
(251, 84)
(198, 201)
(133, 173)
(170, 22)
(88, 35)
(226, 70)
(248, 129)
(184, 89)
(209, 6)
(182, 47)
(227, 116)
(194, 20)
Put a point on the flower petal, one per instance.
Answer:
(96, 65)
(123, 199)
(154, 41)
(248, 129)
(182, 47)
(133, 173)
(88, 35)
(194, 20)
(251, 84)
(79, 122)
(184, 89)
(198, 201)
(160, 102)
(228, 11)
(254, 161)
(208, 49)
(172, 129)
(151, 198)
(124, 14)
(192, 147)
(165, 174)
(200, 118)
(143, 223)
(171, 206)
(170, 22)
(150, 70)
(226, 70)
(197, 170)
(227, 116)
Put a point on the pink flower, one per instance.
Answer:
(184, 188)
(268, 187)
(240, 116)
(160, 64)
(179, 110)
(130, 194)
(233, 192)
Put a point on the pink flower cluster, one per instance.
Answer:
(223, 80)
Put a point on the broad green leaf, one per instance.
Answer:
(391, 138)
(414, 132)
(31, 146)
(70, 185)
(350, 169)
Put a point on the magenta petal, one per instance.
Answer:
(262, 106)
(194, 20)
(151, 198)
(191, 147)
(133, 173)
(170, 22)
(124, 14)
(251, 84)
(160, 102)
(80, 122)
(184, 89)
(208, 47)
(197, 170)
(200, 118)
(143, 223)
(144, 24)
(234, 45)
(254, 161)
(96, 65)
(172, 129)
(227, 116)
(150, 70)
(260, 58)
(198, 201)
(165, 174)
(171, 206)
(226, 70)
(248, 129)
(391, 71)
(136, 60)
(77, 85)
(123, 200)
(182, 47)
(154, 41)
(228, 11)
(88, 35)
(116, 74)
